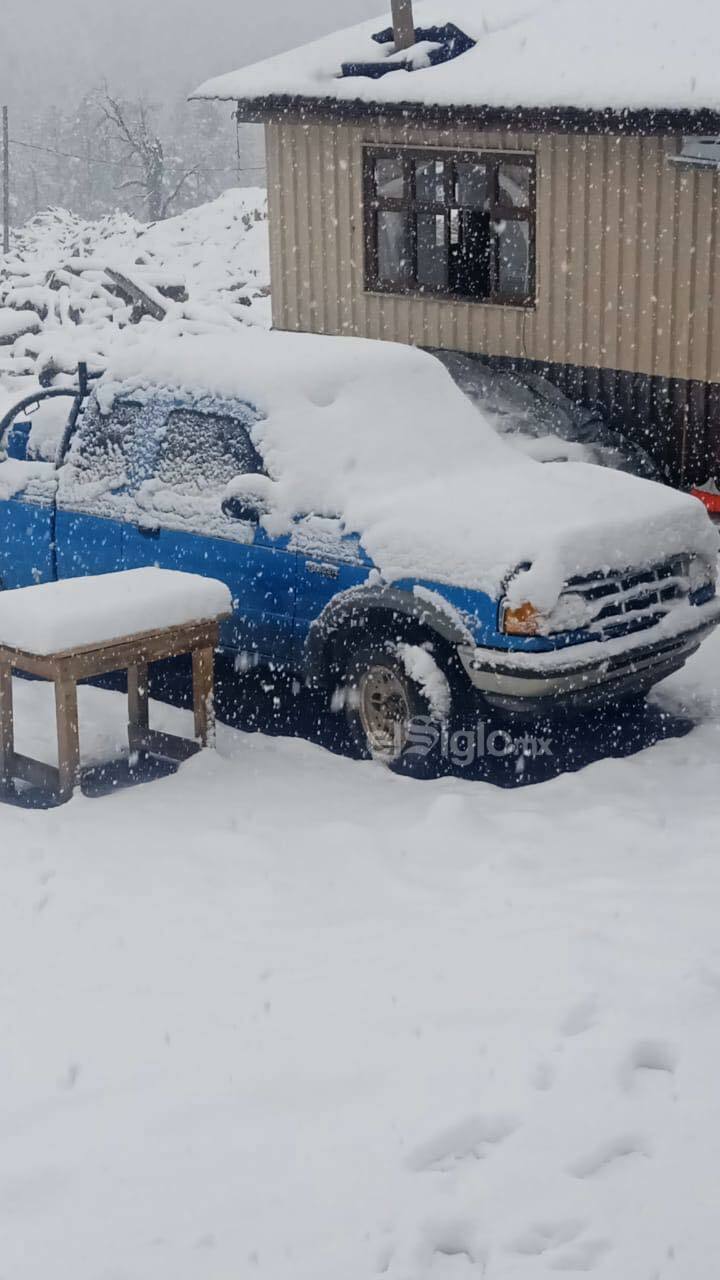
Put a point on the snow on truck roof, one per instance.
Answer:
(378, 435)
(618, 55)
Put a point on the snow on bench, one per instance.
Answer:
(79, 613)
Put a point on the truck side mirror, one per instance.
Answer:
(242, 509)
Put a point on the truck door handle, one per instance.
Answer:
(149, 530)
(324, 569)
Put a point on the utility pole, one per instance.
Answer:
(6, 182)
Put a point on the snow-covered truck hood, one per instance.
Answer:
(379, 435)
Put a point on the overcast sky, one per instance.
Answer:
(51, 51)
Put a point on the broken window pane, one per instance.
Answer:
(394, 257)
(432, 251)
(430, 181)
(514, 259)
(472, 186)
(472, 254)
(514, 183)
(389, 178)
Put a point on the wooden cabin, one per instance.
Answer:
(536, 183)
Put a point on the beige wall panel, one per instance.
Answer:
(318, 279)
(330, 302)
(713, 285)
(650, 179)
(666, 255)
(577, 256)
(611, 232)
(628, 251)
(595, 246)
(276, 214)
(545, 267)
(629, 284)
(684, 276)
(702, 275)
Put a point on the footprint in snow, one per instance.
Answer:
(659, 1057)
(444, 1250)
(580, 1017)
(608, 1153)
(561, 1246)
(472, 1138)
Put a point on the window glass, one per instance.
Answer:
(472, 185)
(459, 226)
(514, 183)
(394, 255)
(514, 258)
(432, 251)
(430, 181)
(103, 444)
(389, 178)
(201, 451)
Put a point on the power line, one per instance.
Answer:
(113, 164)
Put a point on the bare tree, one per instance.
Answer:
(132, 126)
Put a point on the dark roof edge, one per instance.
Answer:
(647, 121)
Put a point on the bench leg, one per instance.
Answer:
(203, 663)
(138, 701)
(66, 710)
(7, 735)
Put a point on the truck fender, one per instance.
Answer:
(348, 608)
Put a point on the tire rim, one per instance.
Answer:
(384, 711)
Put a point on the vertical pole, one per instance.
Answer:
(403, 24)
(7, 740)
(66, 710)
(203, 664)
(6, 182)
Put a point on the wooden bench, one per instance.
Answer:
(132, 653)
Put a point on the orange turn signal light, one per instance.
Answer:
(522, 621)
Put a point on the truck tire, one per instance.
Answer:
(380, 699)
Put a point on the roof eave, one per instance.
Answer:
(646, 121)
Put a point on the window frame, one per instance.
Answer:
(409, 204)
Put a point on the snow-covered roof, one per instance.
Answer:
(619, 55)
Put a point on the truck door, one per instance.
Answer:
(27, 526)
(179, 523)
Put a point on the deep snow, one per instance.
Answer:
(55, 617)
(528, 53)
(378, 435)
(291, 1016)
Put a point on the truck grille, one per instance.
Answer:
(613, 604)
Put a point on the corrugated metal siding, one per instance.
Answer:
(628, 252)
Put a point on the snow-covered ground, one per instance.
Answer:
(292, 1016)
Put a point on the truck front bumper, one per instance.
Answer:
(588, 674)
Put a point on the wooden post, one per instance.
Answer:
(66, 710)
(138, 696)
(6, 182)
(7, 736)
(403, 23)
(203, 663)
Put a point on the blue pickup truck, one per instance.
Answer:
(377, 537)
